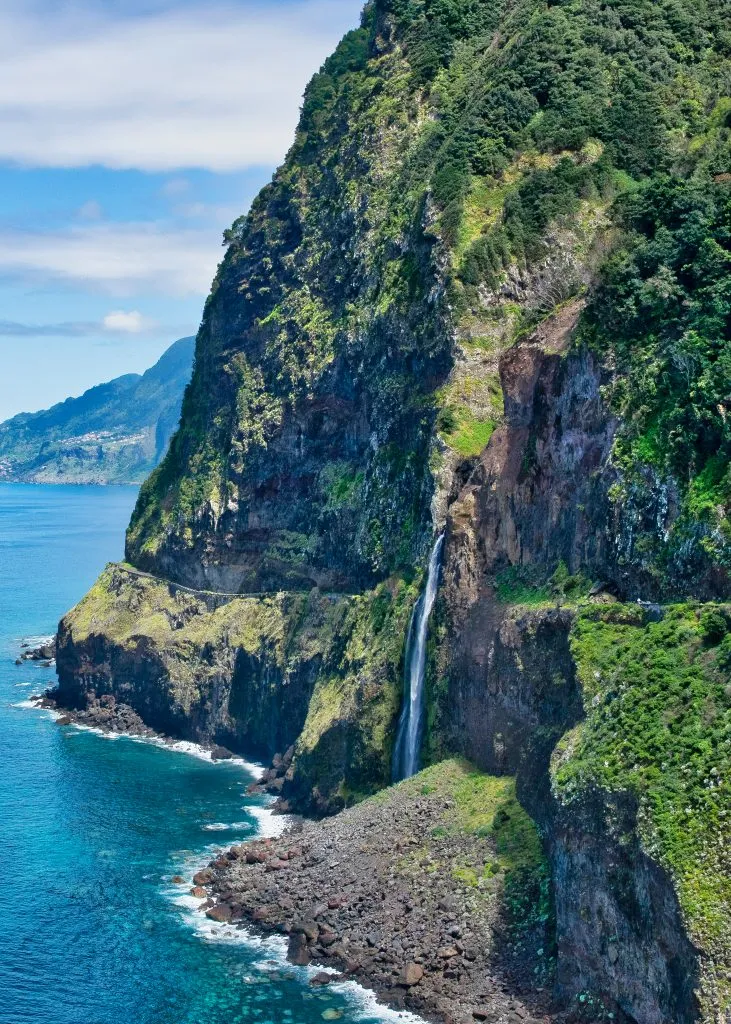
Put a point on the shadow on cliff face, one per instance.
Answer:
(508, 687)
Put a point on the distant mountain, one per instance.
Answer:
(114, 433)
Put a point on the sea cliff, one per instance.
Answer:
(485, 295)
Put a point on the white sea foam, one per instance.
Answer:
(270, 950)
(270, 825)
(253, 768)
(36, 641)
(99, 732)
(232, 826)
(366, 1004)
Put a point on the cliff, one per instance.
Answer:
(115, 433)
(486, 295)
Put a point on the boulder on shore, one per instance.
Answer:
(298, 952)
(221, 913)
(411, 975)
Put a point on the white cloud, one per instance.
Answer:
(126, 323)
(114, 259)
(209, 86)
(216, 214)
(91, 210)
(175, 187)
(118, 322)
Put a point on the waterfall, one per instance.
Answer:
(411, 722)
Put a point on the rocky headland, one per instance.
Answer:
(107, 715)
(115, 433)
(43, 653)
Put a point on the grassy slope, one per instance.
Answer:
(484, 806)
(658, 701)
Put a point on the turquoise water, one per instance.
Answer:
(92, 829)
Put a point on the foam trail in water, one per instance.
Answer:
(178, 746)
(232, 826)
(408, 738)
(270, 825)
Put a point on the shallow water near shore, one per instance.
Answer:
(92, 829)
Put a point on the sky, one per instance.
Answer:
(132, 134)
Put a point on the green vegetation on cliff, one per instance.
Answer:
(461, 167)
(663, 315)
(658, 726)
(326, 669)
(472, 176)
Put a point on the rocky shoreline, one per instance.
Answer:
(108, 715)
(43, 653)
(393, 895)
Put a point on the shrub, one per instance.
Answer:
(713, 627)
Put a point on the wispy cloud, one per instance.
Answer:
(207, 86)
(70, 329)
(114, 323)
(113, 259)
(91, 210)
(121, 322)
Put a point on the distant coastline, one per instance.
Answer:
(115, 433)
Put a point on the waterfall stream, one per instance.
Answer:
(411, 722)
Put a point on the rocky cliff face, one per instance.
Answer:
(620, 930)
(486, 293)
(302, 458)
(513, 675)
(256, 674)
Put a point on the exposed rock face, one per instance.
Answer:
(512, 687)
(234, 691)
(619, 926)
(254, 674)
(534, 497)
(541, 491)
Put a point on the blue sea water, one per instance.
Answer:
(92, 829)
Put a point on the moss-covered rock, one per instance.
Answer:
(657, 733)
(257, 674)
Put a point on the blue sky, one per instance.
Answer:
(131, 134)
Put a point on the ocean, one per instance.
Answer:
(93, 829)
